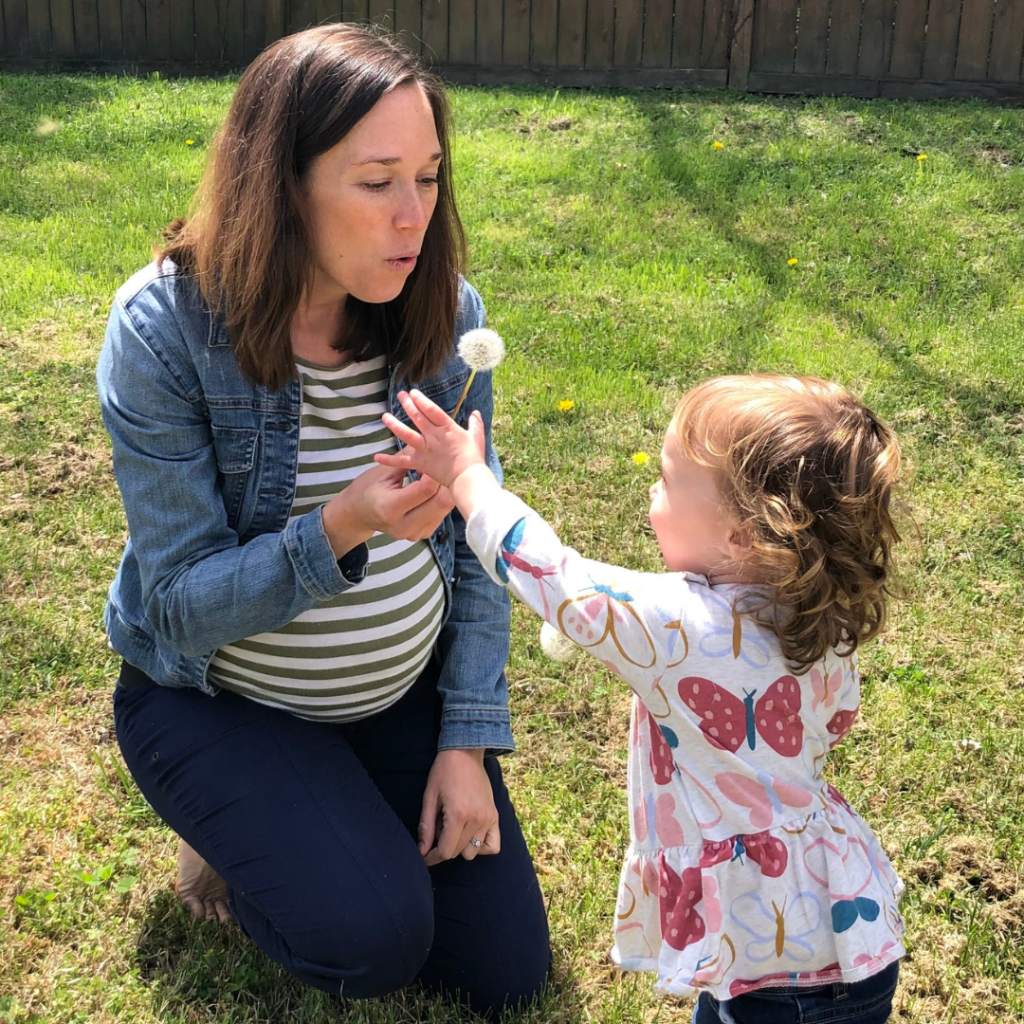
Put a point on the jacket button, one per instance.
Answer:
(442, 537)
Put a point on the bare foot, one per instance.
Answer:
(199, 887)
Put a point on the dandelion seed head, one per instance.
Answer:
(481, 349)
(556, 645)
(47, 127)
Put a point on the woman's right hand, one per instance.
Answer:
(380, 501)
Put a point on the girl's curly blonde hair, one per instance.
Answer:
(807, 471)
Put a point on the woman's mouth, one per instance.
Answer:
(403, 263)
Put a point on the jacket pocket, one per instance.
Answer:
(235, 450)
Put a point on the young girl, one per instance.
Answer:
(749, 880)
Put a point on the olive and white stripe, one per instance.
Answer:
(356, 654)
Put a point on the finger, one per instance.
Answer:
(396, 460)
(434, 413)
(492, 841)
(453, 839)
(477, 432)
(195, 907)
(409, 499)
(428, 822)
(403, 432)
(412, 410)
(470, 851)
(222, 912)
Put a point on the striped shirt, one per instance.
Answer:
(359, 652)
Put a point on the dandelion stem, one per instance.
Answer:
(465, 391)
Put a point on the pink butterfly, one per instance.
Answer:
(768, 852)
(726, 720)
(840, 724)
(764, 796)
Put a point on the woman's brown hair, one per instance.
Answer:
(248, 242)
(807, 472)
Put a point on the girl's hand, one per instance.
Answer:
(442, 449)
(458, 805)
(380, 500)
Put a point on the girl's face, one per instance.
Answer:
(694, 530)
(370, 199)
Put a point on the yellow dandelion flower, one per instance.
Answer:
(792, 261)
(566, 404)
(922, 156)
(717, 145)
(640, 458)
(189, 142)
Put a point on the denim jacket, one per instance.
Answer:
(206, 462)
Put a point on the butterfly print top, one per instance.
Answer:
(745, 868)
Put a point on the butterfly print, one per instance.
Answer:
(767, 924)
(726, 720)
(764, 797)
(580, 618)
(768, 852)
(840, 724)
(678, 896)
(659, 753)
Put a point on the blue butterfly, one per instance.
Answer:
(846, 912)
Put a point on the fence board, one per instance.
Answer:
(488, 34)
(515, 32)
(876, 38)
(302, 14)
(87, 28)
(657, 52)
(544, 33)
(16, 28)
(774, 35)
(381, 12)
(843, 37)
(183, 31)
(62, 27)
(600, 33)
(812, 38)
(975, 34)
(572, 33)
(3, 30)
(687, 29)
(435, 30)
(1007, 42)
(158, 30)
(408, 23)
(39, 39)
(716, 36)
(255, 18)
(629, 33)
(462, 31)
(940, 42)
(359, 10)
(908, 39)
(133, 29)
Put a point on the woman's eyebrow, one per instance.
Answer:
(389, 161)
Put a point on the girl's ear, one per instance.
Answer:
(739, 544)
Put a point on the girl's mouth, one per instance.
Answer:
(403, 263)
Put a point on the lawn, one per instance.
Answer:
(623, 255)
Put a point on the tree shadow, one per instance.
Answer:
(721, 200)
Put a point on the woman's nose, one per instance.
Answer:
(414, 211)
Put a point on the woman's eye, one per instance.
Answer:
(375, 186)
(431, 181)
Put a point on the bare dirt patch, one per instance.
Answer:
(67, 468)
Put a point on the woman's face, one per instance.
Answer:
(370, 199)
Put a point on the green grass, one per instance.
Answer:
(623, 259)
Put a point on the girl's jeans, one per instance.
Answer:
(862, 1002)
(312, 827)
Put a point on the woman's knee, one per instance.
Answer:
(379, 948)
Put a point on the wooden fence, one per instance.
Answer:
(906, 48)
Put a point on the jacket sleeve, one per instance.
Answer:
(201, 588)
(474, 642)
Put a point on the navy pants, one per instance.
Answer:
(312, 826)
(860, 1002)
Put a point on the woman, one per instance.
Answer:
(313, 659)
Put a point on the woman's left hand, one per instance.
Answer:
(458, 806)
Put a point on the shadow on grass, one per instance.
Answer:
(199, 970)
(726, 193)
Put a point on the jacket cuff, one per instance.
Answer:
(470, 728)
(323, 575)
